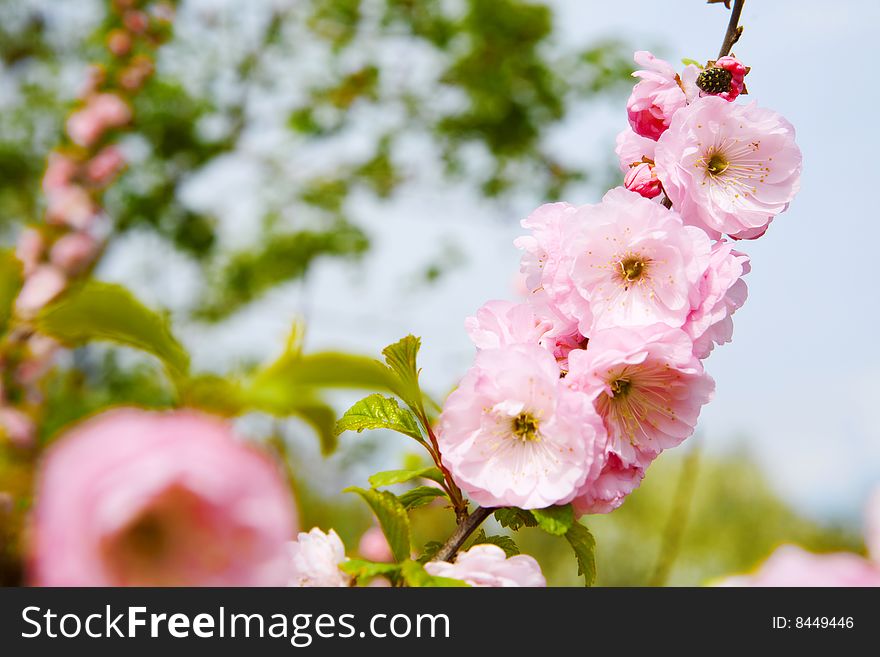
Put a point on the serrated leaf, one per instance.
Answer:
(584, 546)
(363, 570)
(379, 412)
(514, 518)
(556, 520)
(414, 574)
(392, 518)
(429, 551)
(504, 542)
(11, 279)
(105, 311)
(401, 359)
(391, 477)
(420, 496)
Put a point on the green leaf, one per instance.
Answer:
(514, 518)
(504, 542)
(392, 518)
(214, 393)
(556, 520)
(278, 388)
(11, 279)
(430, 551)
(363, 571)
(401, 358)
(584, 546)
(391, 477)
(414, 574)
(420, 496)
(687, 62)
(379, 412)
(322, 418)
(105, 311)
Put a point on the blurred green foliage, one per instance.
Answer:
(476, 76)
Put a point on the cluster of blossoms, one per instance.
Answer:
(66, 244)
(790, 565)
(575, 391)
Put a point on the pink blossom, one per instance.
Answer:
(105, 165)
(60, 171)
(39, 359)
(790, 565)
(656, 98)
(315, 558)
(488, 566)
(71, 206)
(73, 252)
(611, 488)
(722, 292)
(729, 168)
(29, 249)
(501, 323)
(44, 284)
(635, 263)
(546, 264)
(17, 427)
(136, 21)
(642, 180)
(119, 43)
(101, 112)
(648, 387)
(724, 78)
(132, 497)
(632, 149)
(513, 434)
(374, 546)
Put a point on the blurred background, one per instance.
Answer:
(363, 165)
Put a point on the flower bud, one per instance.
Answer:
(641, 179)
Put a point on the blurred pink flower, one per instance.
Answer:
(610, 489)
(44, 284)
(648, 385)
(132, 497)
(488, 566)
(513, 434)
(642, 180)
(60, 171)
(656, 98)
(724, 78)
(632, 148)
(499, 323)
(101, 112)
(374, 546)
(105, 165)
(314, 560)
(790, 565)
(722, 292)
(17, 427)
(73, 252)
(71, 206)
(729, 168)
(29, 249)
(635, 263)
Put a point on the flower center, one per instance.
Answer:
(714, 80)
(620, 387)
(717, 164)
(525, 427)
(632, 268)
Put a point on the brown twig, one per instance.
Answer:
(465, 528)
(734, 29)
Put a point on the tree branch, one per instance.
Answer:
(465, 528)
(734, 29)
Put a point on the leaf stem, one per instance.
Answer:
(465, 528)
